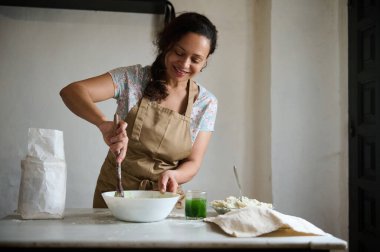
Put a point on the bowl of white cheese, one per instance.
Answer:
(234, 203)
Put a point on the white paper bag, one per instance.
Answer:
(42, 192)
(46, 144)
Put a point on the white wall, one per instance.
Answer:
(275, 78)
(41, 51)
(308, 113)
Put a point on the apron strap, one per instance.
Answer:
(139, 119)
(192, 87)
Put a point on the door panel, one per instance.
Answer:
(364, 117)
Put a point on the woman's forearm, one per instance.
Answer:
(81, 97)
(79, 101)
(189, 167)
(186, 171)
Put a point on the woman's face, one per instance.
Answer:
(187, 57)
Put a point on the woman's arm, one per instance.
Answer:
(81, 98)
(188, 168)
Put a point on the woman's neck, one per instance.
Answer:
(176, 85)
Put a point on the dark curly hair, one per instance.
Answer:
(167, 38)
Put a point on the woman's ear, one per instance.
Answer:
(204, 66)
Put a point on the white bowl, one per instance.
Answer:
(141, 206)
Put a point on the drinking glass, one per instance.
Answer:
(195, 204)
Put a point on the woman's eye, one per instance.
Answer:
(178, 53)
(196, 61)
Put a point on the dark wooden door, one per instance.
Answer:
(364, 119)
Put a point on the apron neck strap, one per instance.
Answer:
(192, 90)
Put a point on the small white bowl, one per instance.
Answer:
(141, 206)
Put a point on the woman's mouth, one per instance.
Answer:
(180, 72)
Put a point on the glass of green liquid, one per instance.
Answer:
(195, 204)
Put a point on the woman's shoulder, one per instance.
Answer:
(204, 111)
(205, 96)
(130, 80)
(133, 70)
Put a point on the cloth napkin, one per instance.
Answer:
(257, 220)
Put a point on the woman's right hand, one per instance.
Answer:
(117, 139)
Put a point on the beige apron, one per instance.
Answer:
(158, 139)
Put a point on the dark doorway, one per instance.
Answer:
(364, 118)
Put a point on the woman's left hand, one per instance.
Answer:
(167, 182)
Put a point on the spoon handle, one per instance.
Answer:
(119, 188)
(237, 181)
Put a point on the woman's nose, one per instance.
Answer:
(185, 62)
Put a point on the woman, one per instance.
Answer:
(168, 119)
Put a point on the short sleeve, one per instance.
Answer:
(130, 83)
(208, 119)
(128, 77)
(204, 113)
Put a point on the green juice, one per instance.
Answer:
(195, 208)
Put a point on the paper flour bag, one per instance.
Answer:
(46, 144)
(42, 192)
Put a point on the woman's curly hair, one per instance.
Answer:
(166, 39)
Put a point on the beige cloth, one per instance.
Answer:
(256, 221)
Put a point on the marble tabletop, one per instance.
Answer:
(97, 228)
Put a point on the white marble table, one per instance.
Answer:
(97, 228)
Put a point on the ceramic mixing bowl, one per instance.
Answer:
(141, 206)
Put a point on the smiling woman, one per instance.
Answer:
(167, 118)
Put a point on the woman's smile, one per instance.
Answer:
(180, 73)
